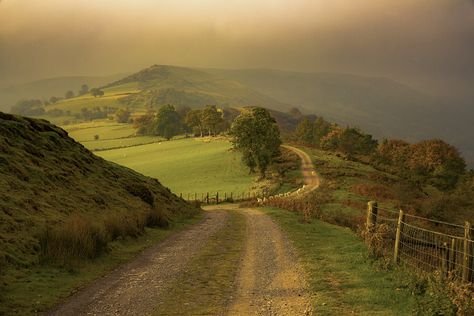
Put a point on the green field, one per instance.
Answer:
(106, 130)
(187, 166)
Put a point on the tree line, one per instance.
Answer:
(38, 107)
(169, 121)
(429, 162)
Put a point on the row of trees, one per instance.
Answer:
(322, 134)
(433, 162)
(169, 121)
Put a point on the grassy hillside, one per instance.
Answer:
(44, 89)
(52, 185)
(187, 165)
(380, 106)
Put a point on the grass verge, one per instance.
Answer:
(342, 277)
(208, 283)
(34, 290)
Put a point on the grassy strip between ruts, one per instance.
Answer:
(207, 286)
(342, 278)
(44, 286)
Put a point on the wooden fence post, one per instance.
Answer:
(467, 252)
(444, 260)
(225, 196)
(401, 219)
(452, 255)
(217, 197)
(207, 198)
(372, 210)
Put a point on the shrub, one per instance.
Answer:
(78, 238)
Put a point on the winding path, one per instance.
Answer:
(270, 278)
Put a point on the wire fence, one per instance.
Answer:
(425, 245)
(222, 197)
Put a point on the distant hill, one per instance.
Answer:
(381, 106)
(45, 88)
(47, 177)
(160, 84)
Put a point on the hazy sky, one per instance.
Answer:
(428, 43)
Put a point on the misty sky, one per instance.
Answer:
(426, 43)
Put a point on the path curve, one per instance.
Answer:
(135, 288)
(271, 280)
(311, 178)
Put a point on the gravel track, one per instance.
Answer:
(135, 288)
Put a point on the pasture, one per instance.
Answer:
(187, 166)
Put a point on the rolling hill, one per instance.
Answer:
(45, 88)
(48, 179)
(380, 106)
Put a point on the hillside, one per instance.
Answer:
(45, 88)
(48, 179)
(161, 84)
(381, 106)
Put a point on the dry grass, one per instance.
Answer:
(77, 238)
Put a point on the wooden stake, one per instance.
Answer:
(401, 219)
(467, 262)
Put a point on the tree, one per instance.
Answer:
(349, 141)
(167, 122)
(145, 123)
(437, 162)
(96, 92)
(122, 115)
(84, 89)
(320, 129)
(54, 99)
(182, 112)
(256, 135)
(194, 120)
(304, 132)
(33, 107)
(69, 94)
(211, 118)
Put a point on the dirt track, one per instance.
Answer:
(271, 281)
(135, 288)
(310, 177)
(270, 278)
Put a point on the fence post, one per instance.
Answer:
(467, 262)
(401, 219)
(207, 198)
(452, 255)
(217, 197)
(225, 196)
(444, 259)
(371, 215)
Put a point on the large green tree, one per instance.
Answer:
(211, 119)
(194, 121)
(256, 135)
(167, 122)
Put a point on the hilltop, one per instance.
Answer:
(49, 180)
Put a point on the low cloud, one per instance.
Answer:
(423, 42)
